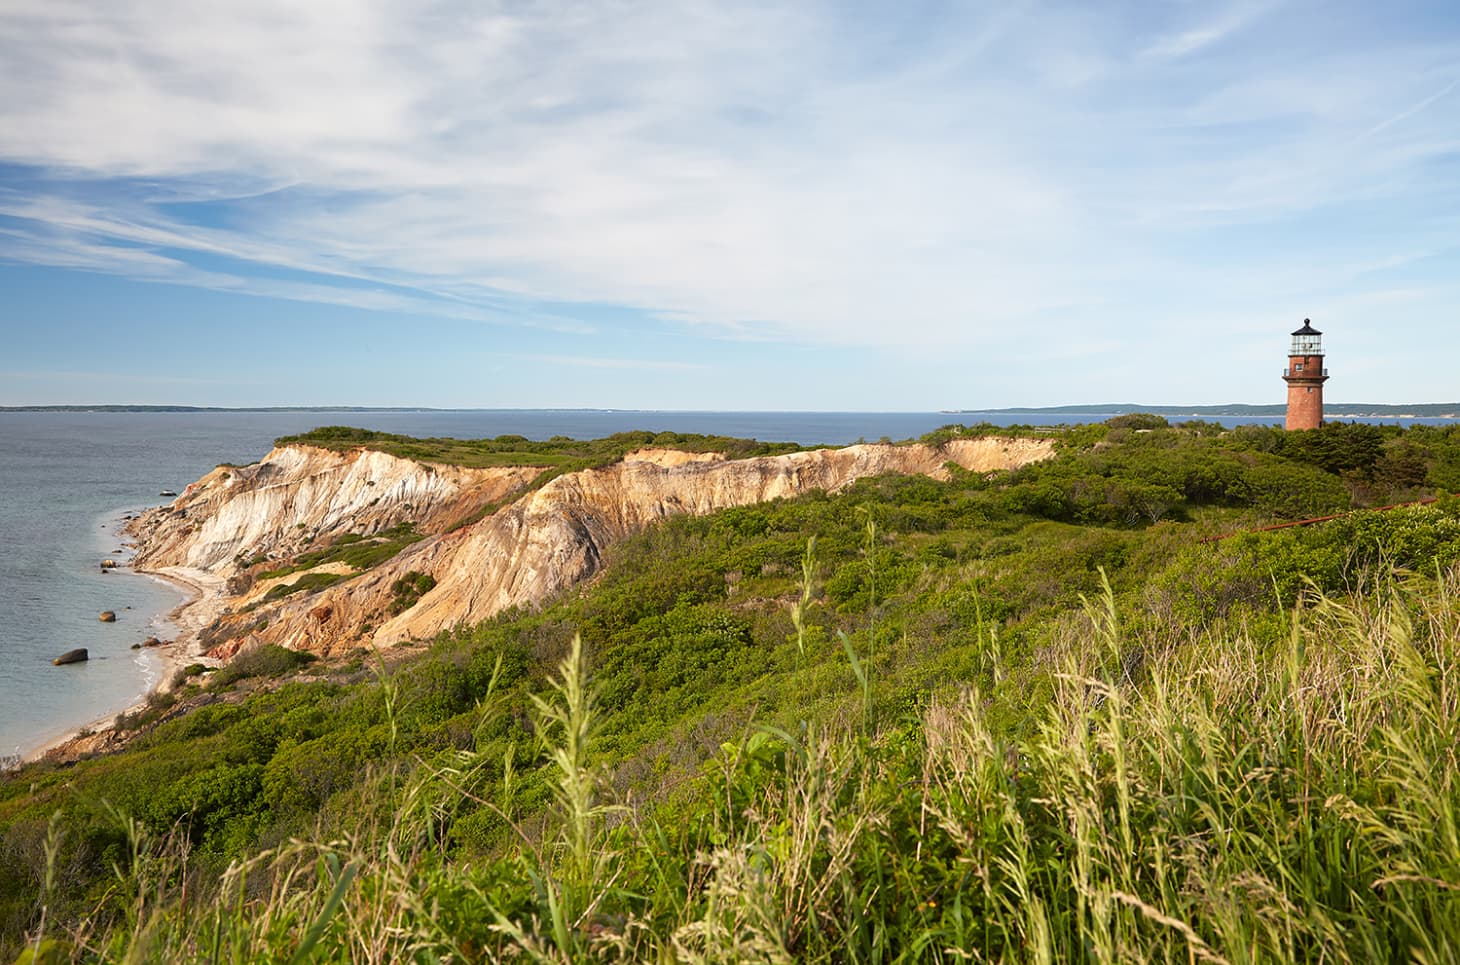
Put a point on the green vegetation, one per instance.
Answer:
(268, 660)
(1029, 717)
(308, 583)
(1138, 420)
(560, 452)
(408, 589)
(353, 549)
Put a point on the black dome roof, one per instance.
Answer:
(1307, 329)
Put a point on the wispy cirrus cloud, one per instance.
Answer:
(759, 171)
(1217, 27)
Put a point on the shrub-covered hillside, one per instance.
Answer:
(1030, 717)
(560, 452)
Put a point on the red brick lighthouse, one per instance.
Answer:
(1305, 376)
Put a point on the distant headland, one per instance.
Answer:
(1336, 410)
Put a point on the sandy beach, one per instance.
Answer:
(205, 604)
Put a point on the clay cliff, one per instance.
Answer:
(299, 496)
(237, 522)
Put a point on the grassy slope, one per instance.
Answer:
(559, 452)
(951, 754)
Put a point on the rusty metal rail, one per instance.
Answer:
(1319, 519)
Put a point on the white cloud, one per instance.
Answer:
(763, 170)
(1217, 28)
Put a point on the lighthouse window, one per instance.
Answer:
(1310, 390)
(1298, 367)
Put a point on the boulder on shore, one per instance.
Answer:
(108, 616)
(152, 642)
(108, 564)
(79, 655)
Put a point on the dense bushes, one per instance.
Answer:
(265, 660)
(1164, 476)
(1379, 463)
(1262, 569)
(559, 452)
(1237, 798)
(974, 582)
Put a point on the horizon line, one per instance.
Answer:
(1112, 407)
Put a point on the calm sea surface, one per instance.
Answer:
(67, 479)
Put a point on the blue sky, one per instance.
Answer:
(796, 205)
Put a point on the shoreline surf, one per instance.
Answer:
(202, 601)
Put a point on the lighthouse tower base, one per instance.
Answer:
(1305, 407)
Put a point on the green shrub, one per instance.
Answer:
(406, 591)
(353, 549)
(1138, 420)
(265, 660)
(308, 583)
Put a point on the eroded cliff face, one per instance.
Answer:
(521, 555)
(299, 496)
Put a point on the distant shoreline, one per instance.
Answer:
(1335, 410)
(1332, 410)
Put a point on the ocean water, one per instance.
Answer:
(67, 479)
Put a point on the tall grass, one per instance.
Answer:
(1212, 800)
